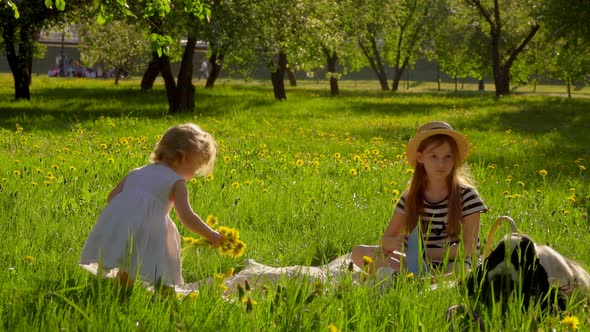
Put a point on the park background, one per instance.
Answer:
(303, 179)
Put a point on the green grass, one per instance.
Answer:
(283, 179)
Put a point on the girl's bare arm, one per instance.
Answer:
(188, 217)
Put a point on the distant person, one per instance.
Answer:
(204, 70)
(440, 202)
(134, 235)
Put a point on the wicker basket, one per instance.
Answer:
(495, 226)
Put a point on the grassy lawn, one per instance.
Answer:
(303, 180)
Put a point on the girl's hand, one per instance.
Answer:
(392, 243)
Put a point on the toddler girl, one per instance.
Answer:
(134, 235)
(440, 197)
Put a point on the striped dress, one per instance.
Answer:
(437, 212)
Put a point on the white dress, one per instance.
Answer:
(134, 232)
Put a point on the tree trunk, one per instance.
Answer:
(169, 83)
(19, 63)
(185, 89)
(455, 78)
(332, 60)
(438, 77)
(216, 61)
(481, 85)
(398, 72)
(278, 77)
(374, 62)
(397, 77)
(569, 88)
(291, 75)
(150, 74)
(502, 81)
(117, 74)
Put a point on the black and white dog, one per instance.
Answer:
(518, 265)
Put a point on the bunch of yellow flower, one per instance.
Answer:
(231, 244)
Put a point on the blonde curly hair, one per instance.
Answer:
(186, 138)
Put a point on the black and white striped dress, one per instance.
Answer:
(436, 213)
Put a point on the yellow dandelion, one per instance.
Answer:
(30, 259)
(80, 131)
(333, 328)
(193, 181)
(543, 173)
(582, 167)
(367, 260)
(506, 193)
(262, 146)
(337, 155)
(210, 177)
(34, 183)
(353, 172)
(492, 166)
(72, 169)
(572, 198)
(375, 151)
(571, 323)
(235, 185)
(356, 157)
(16, 173)
(110, 160)
(222, 287)
(54, 166)
(123, 141)
(211, 220)
(409, 171)
(508, 180)
(410, 275)
(520, 183)
(395, 192)
(193, 295)
(227, 159)
(299, 163)
(366, 168)
(249, 302)
(102, 146)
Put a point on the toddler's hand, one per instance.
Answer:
(216, 239)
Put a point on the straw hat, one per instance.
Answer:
(431, 129)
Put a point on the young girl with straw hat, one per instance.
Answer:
(440, 203)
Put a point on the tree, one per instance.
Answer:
(20, 28)
(508, 34)
(185, 13)
(458, 43)
(118, 45)
(277, 22)
(231, 37)
(570, 61)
